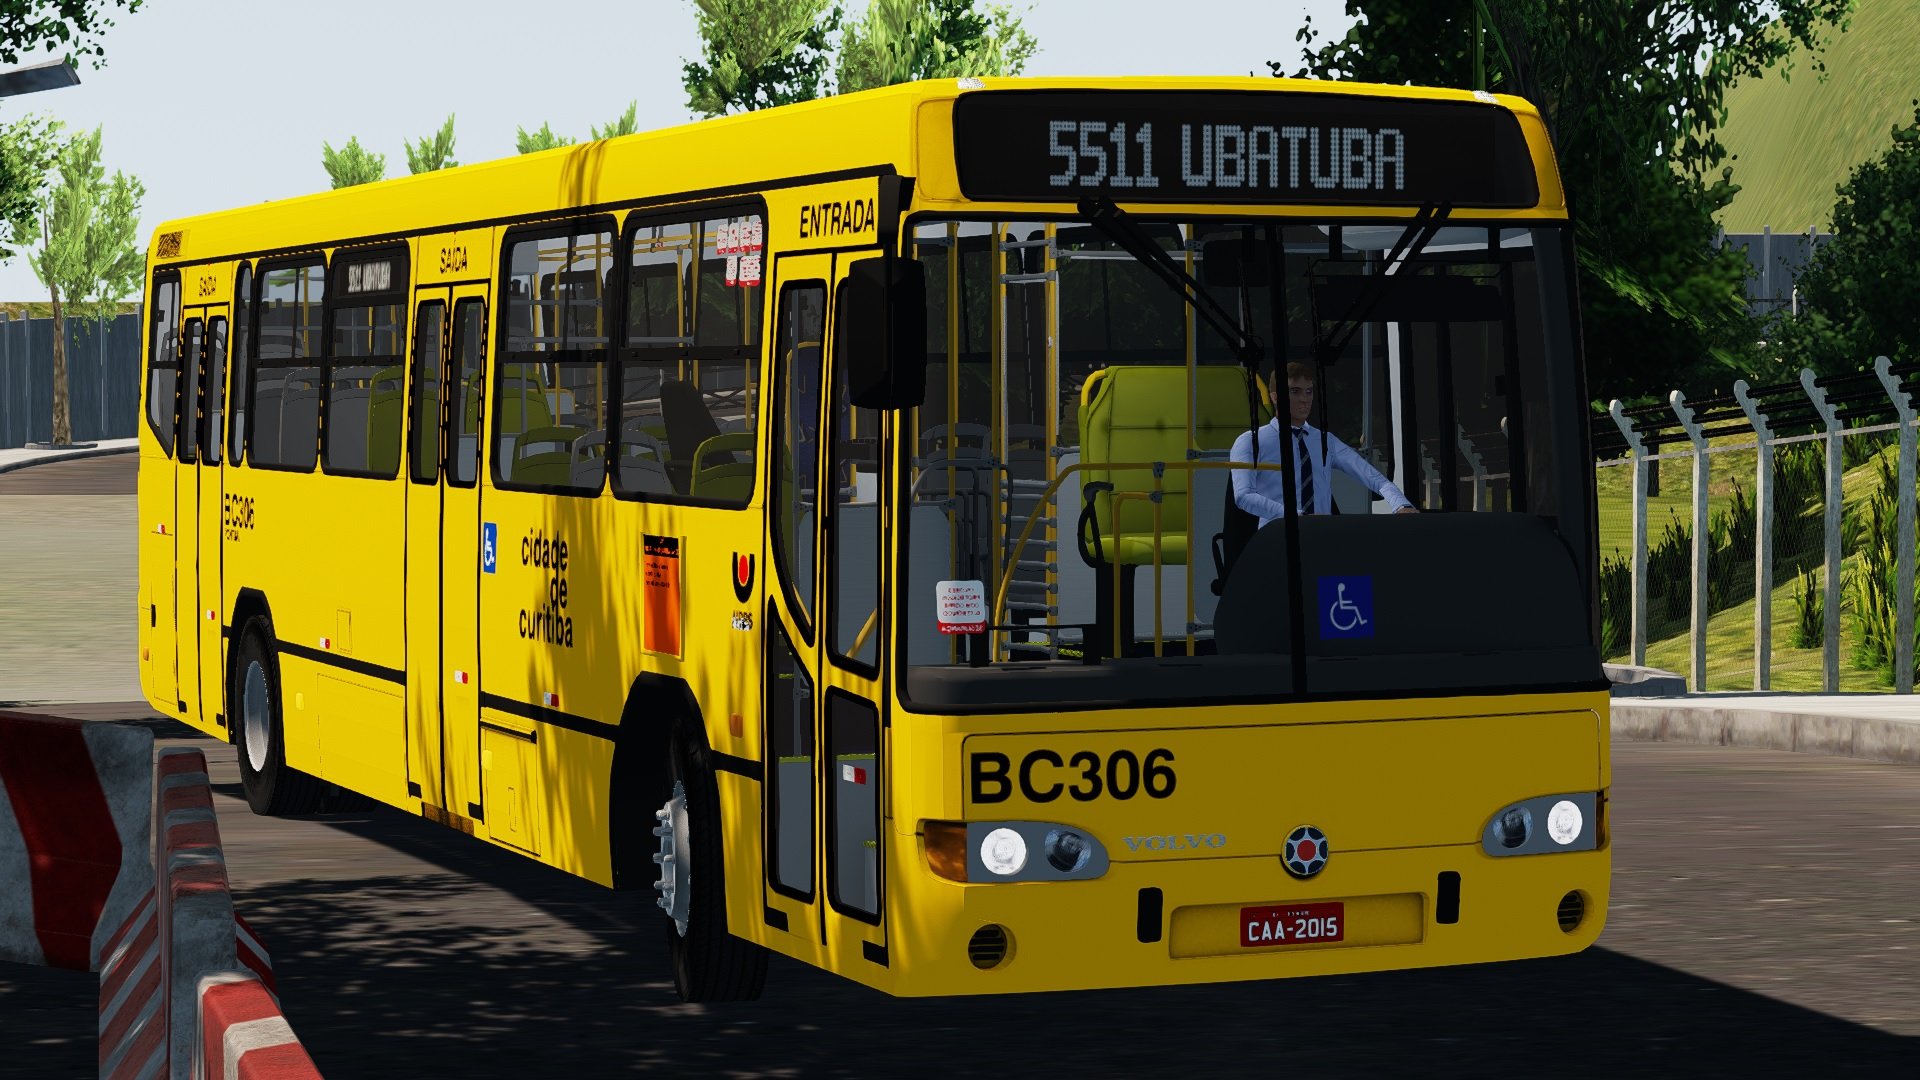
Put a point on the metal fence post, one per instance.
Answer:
(1637, 452)
(1830, 613)
(1697, 628)
(1903, 602)
(1762, 539)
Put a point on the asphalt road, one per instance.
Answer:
(1765, 922)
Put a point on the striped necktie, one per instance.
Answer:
(1306, 472)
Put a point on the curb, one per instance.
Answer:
(1861, 737)
(67, 455)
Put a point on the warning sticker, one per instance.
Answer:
(961, 606)
(660, 588)
(750, 270)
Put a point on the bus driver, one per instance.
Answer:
(1262, 492)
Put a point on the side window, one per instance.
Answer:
(465, 397)
(285, 399)
(193, 391)
(366, 374)
(216, 384)
(796, 438)
(163, 359)
(242, 322)
(552, 384)
(853, 474)
(429, 327)
(690, 368)
(790, 734)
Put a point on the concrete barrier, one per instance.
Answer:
(243, 1036)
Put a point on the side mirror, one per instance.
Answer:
(880, 332)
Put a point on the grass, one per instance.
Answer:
(1795, 136)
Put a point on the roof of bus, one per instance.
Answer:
(734, 153)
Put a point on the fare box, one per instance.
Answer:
(1292, 924)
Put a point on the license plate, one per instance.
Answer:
(1292, 924)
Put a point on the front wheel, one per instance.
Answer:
(273, 787)
(709, 964)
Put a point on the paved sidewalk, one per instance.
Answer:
(1873, 727)
(20, 457)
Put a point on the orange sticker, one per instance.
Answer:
(660, 571)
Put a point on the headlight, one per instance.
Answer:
(1564, 822)
(1067, 850)
(1003, 852)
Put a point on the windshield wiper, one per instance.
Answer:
(1106, 215)
(1425, 224)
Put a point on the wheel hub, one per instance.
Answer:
(674, 858)
(255, 717)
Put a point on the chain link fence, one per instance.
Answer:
(1759, 541)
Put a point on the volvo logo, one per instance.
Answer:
(1182, 842)
(1306, 853)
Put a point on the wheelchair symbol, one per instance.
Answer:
(1345, 615)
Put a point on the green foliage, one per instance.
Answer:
(352, 164)
(759, 53)
(27, 150)
(1875, 581)
(902, 40)
(1857, 296)
(431, 153)
(1809, 622)
(90, 256)
(1633, 100)
(625, 124)
(28, 26)
(532, 142)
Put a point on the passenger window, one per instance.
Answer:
(216, 389)
(285, 401)
(366, 376)
(242, 310)
(469, 356)
(796, 436)
(163, 360)
(690, 371)
(551, 389)
(429, 325)
(192, 392)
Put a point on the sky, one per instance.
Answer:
(214, 104)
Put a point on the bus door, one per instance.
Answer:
(159, 481)
(443, 543)
(211, 431)
(827, 646)
(187, 615)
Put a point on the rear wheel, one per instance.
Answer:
(273, 788)
(709, 964)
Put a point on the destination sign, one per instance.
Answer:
(1205, 146)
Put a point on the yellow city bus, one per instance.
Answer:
(827, 524)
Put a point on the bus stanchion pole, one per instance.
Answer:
(1637, 452)
(1762, 538)
(1904, 555)
(1697, 631)
(1830, 616)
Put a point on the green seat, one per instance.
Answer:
(386, 419)
(728, 479)
(1138, 415)
(544, 456)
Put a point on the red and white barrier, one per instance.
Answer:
(242, 1034)
(74, 822)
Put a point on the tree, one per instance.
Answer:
(1857, 294)
(27, 151)
(759, 53)
(28, 26)
(1632, 93)
(88, 257)
(625, 124)
(352, 164)
(431, 153)
(903, 40)
(532, 142)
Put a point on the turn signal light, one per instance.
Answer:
(947, 849)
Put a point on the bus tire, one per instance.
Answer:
(709, 964)
(273, 787)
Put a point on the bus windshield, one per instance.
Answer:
(1096, 502)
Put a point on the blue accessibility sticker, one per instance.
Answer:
(489, 546)
(1346, 607)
